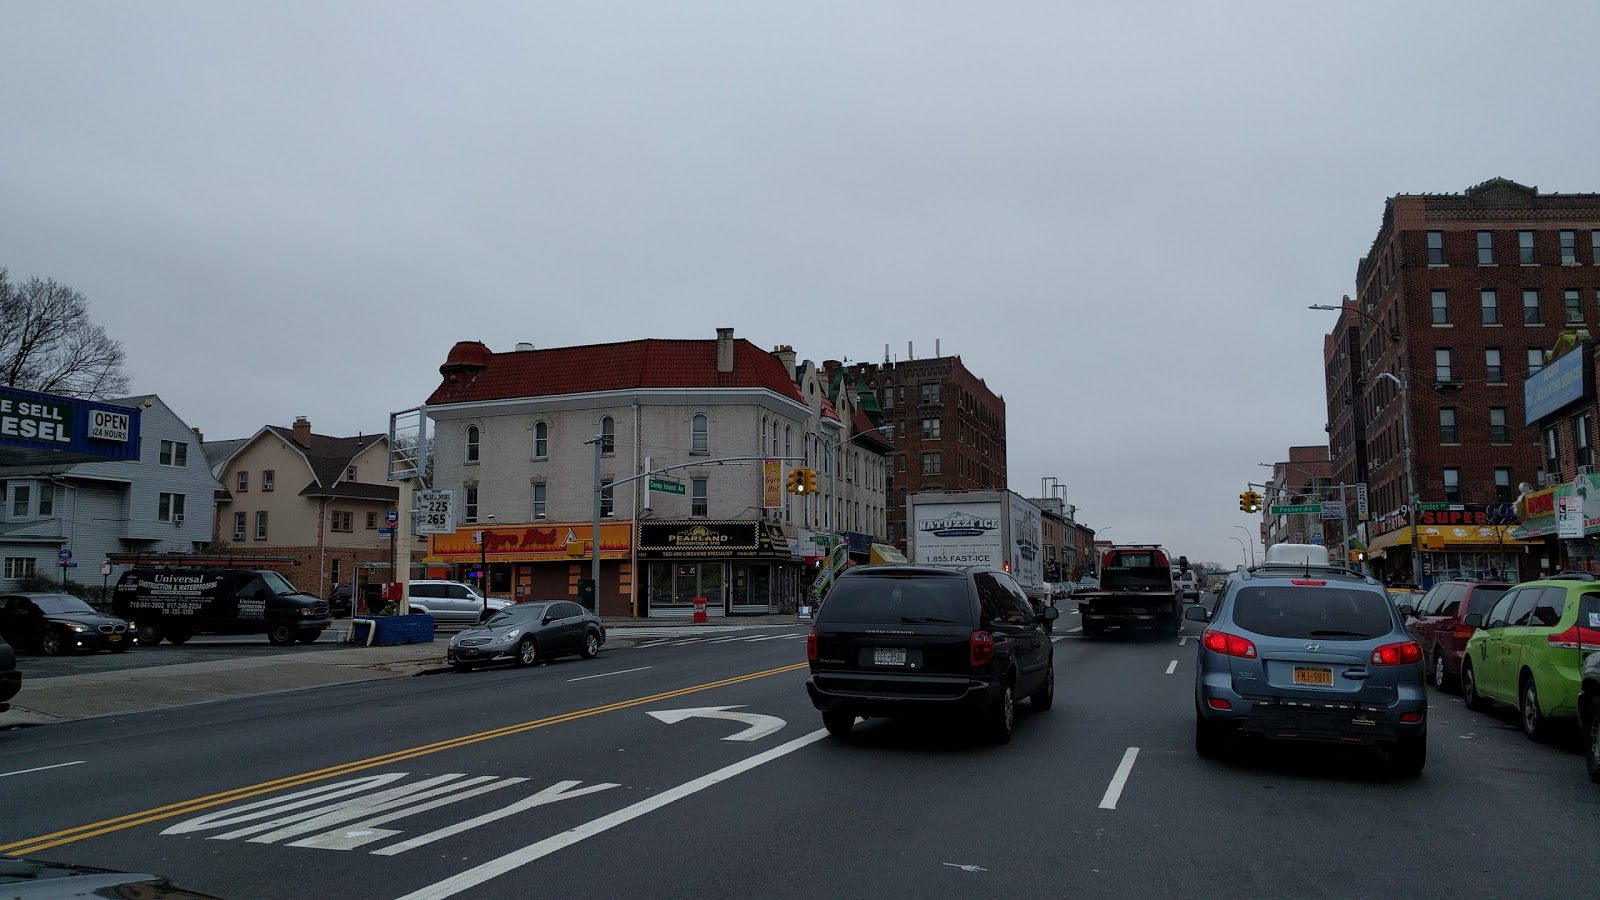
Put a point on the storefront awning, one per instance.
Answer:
(883, 553)
(1456, 537)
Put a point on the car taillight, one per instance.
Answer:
(982, 648)
(1228, 644)
(1462, 632)
(1574, 637)
(1397, 654)
(811, 645)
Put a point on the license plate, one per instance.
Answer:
(467, 652)
(116, 637)
(1312, 675)
(889, 656)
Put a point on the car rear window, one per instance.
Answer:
(1136, 569)
(930, 599)
(1482, 599)
(1295, 611)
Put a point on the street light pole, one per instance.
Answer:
(1405, 432)
(594, 551)
(1252, 542)
(1247, 562)
(1411, 475)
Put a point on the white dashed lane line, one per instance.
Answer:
(1119, 779)
(1172, 666)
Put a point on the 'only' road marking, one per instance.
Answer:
(106, 826)
(41, 768)
(1114, 790)
(494, 868)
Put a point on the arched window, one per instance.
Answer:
(786, 441)
(774, 437)
(700, 433)
(608, 435)
(472, 443)
(541, 440)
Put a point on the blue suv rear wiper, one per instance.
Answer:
(1334, 632)
(925, 620)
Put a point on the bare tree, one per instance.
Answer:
(48, 343)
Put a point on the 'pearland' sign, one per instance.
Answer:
(35, 420)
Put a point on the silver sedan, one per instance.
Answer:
(529, 633)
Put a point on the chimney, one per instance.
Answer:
(523, 346)
(302, 431)
(724, 349)
(198, 436)
(910, 353)
(935, 348)
(785, 355)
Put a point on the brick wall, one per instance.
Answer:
(1397, 284)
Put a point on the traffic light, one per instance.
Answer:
(797, 484)
(1252, 501)
(809, 476)
(1358, 556)
(1244, 502)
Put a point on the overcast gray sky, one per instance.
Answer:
(1116, 213)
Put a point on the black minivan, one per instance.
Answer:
(178, 603)
(909, 640)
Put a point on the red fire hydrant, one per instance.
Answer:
(699, 610)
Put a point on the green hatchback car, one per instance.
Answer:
(1529, 650)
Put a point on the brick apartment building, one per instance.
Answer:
(1461, 295)
(949, 429)
(1302, 478)
(1347, 423)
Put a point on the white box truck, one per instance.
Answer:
(980, 528)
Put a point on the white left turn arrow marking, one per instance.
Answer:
(760, 725)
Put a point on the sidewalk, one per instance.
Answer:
(69, 697)
(623, 623)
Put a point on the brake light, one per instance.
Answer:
(1410, 718)
(1228, 644)
(982, 648)
(1309, 581)
(1397, 654)
(1462, 632)
(811, 645)
(1219, 703)
(1574, 637)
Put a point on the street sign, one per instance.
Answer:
(1295, 509)
(64, 555)
(666, 486)
(385, 532)
(1316, 539)
(1433, 507)
(1332, 510)
(392, 517)
(435, 512)
(105, 568)
(1361, 502)
(67, 565)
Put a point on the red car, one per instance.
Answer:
(1439, 624)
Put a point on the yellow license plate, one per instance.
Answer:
(1309, 675)
(116, 637)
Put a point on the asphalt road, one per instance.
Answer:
(558, 781)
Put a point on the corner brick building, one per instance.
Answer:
(1461, 295)
(949, 429)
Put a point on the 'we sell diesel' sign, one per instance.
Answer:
(35, 420)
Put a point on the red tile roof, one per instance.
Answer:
(865, 430)
(481, 375)
(828, 412)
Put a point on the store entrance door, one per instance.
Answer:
(752, 587)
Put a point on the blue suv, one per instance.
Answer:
(1299, 649)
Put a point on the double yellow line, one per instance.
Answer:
(172, 810)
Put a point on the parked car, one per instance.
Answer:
(1588, 711)
(1528, 651)
(452, 601)
(1299, 649)
(526, 633)
(177, 603)
(1438, 622)
(10, 678)
(918, 640)
(340, 599)
(39, 880)
(60, 623)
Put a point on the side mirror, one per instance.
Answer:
(1051, 614)
(1473, 620)
(1197, 614)
(1406, 610)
